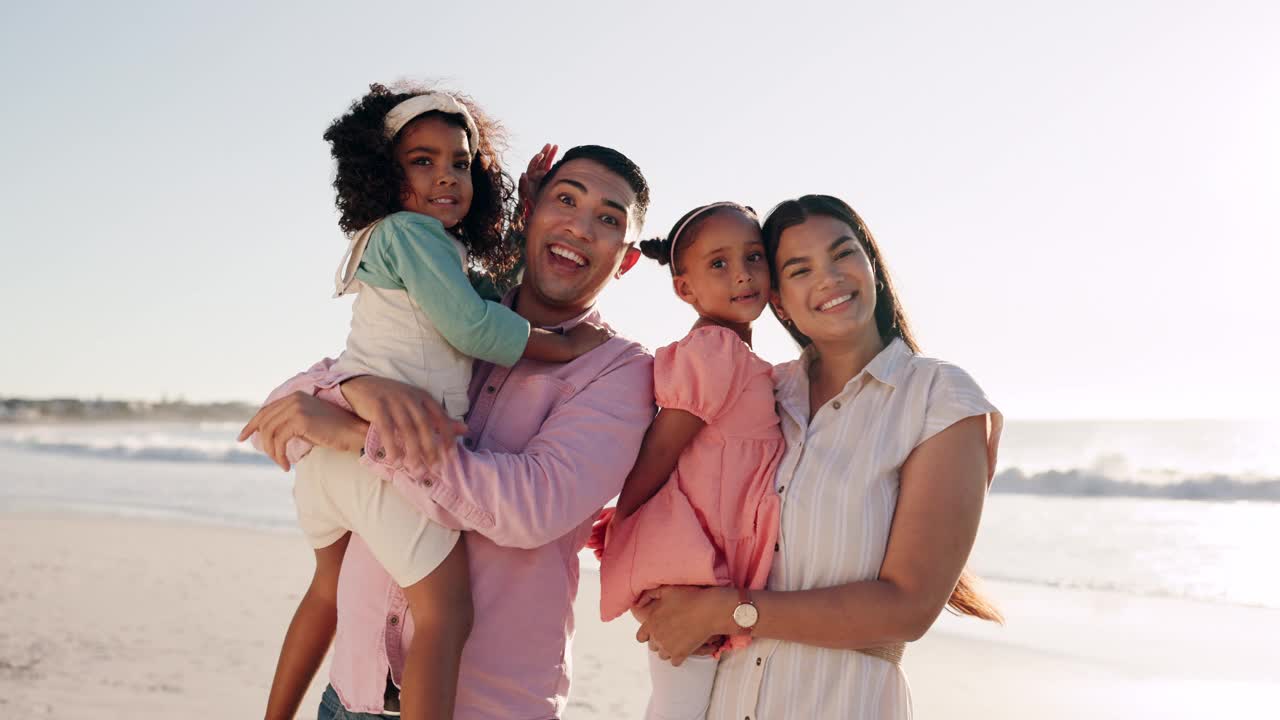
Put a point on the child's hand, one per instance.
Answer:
(586, 337)
(531, 179)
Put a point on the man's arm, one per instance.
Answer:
(576, 463)
(319, 380)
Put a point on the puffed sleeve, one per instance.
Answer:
(703, 374)
(953, 396)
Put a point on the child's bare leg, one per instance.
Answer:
(309, 635)
(442, 614)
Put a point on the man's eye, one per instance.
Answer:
(565, 199)
(608, 220)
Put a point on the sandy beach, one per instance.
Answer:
(104, 617)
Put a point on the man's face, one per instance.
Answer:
(578, 234)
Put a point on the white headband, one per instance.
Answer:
(401, 114)
(675, 236)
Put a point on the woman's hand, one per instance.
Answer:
(681, 620)
(406, 417)
(308, 417)
(531, 179)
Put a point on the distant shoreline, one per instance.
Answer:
(16, 410)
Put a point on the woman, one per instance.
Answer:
(889, 456)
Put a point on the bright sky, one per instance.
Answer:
(1078, 199)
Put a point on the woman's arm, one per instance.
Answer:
(942, 489)
(671, 432)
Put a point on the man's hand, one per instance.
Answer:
(415, 430)
(308, 417)
(531, 179)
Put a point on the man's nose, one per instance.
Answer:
(580, 226)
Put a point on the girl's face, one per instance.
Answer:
(725, 275)
(436, 159)
(826, 284)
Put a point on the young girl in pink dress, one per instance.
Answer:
(699, 507)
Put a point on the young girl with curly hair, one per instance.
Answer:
(422, 193)
(699, 507)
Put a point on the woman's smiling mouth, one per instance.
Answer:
(836, 302)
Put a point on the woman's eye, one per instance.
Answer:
(845, 253)
(799, 272)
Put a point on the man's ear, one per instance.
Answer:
(629, 260)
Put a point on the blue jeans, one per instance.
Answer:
(331, 709)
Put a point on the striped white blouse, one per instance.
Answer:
(839, 486)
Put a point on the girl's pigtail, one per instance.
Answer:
(657, 248)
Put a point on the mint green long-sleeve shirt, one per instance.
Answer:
(413, 252)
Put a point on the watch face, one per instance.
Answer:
(746, 615)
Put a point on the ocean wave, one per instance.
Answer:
(1091, 483)
(216, 444)
(149, 448)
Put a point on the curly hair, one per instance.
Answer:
(369, 181)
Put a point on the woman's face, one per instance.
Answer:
(436, 158)
(826, 284)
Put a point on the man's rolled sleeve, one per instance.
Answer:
(319, 380)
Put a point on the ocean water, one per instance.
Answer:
(1095, 505)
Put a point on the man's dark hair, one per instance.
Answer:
(614, 162)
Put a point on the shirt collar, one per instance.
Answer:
(791, 379)
(591, 314)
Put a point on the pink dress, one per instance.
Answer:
(715, 521)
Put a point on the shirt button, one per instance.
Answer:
(394, 620)
(777, 547)
(836, 404)
(380, 454)
(782, 489)
(467, 442)
(491, 389)
(758, 661)
(427, 483)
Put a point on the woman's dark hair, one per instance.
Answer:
(660, 248)
(369, 181)
(891, 322)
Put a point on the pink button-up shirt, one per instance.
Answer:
(547, 445)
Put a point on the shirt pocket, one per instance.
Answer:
(522, 407)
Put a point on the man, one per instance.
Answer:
(545, 447)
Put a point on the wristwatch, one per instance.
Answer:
(745, 615)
